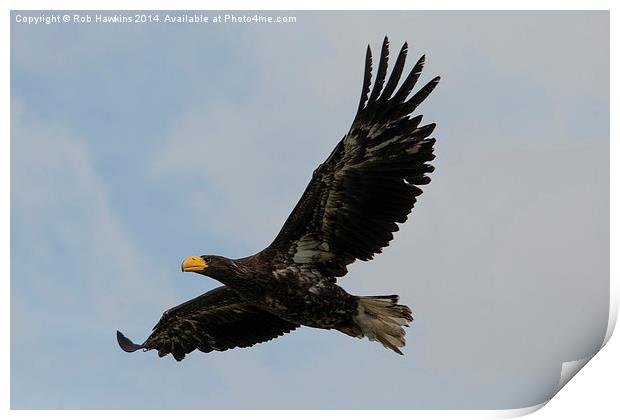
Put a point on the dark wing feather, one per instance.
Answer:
(217, 320)
(366, 82)
(381, 72)
(369, 182)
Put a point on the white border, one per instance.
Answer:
(582, 396)
(309, 5)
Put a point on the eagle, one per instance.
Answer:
(349, 211)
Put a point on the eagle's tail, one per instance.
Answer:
(381, 318)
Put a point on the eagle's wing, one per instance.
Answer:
(217, 320)
(369, 182)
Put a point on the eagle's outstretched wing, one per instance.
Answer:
(370, 180)
(217, 320)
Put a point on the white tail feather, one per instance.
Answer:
(381, 319)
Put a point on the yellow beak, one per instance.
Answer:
(193, 264)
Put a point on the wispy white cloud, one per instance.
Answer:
(77, 273)
(60, 204)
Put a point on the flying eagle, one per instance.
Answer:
(349, 211)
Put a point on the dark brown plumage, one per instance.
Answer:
(217, 320)
(349, 211)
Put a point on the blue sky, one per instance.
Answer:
(133, 146)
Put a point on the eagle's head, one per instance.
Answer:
(213, 266)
